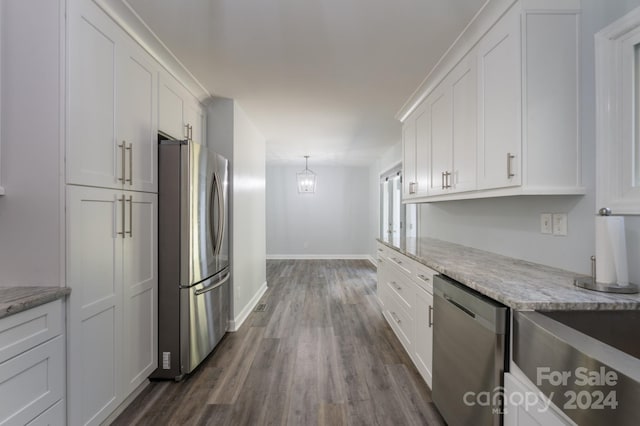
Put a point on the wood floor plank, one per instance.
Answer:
(321, 353)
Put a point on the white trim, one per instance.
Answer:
(318, 257)
(237, 322)
(372, 260)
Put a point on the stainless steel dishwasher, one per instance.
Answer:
(469, 351)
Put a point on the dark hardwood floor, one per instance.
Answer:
(320, 354)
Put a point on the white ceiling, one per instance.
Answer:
(317, 77)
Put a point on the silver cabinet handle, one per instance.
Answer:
(123, 156)
(186, 131)
(130, 149)
(430, 316)
(412, 187)
(395, 317)
(424, 278)
(398, 261)
(510, 173)
(121, 200)
(130, 231)
(395, 284)
(442, 180)
(447, 179)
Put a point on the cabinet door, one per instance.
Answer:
(499, 106)
(519, 413)
(171, 106)
(465, 129)
(423, 149)
(194, 117)
(423, 347)
(91, 143)
(440, 116)
(94, 272)
(140, 286)
(137, 117)
(409, 158)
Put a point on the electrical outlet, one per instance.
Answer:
(560, 224)
(546, 223)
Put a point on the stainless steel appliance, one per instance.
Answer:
(469, 348)
(193, 255)
(597, 351)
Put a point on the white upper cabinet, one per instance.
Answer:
(498, 115)
(617, 117)
(409, 180)
(137, 122)
(180, 114)
(499, 142)
(112, 140)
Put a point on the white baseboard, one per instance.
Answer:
(128, 400)
(319, 257)
(372, 260)
(235, 323)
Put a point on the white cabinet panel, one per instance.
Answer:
(465, 129)
(140, 291)
(423, 341)
(500, 104)
(91, 142)
(54, 416)
(439, 108)
(94, 268)
(194, 117)
(29, 328)
(409, 180)
(31, 382)
(137, 118)
(519, 411)
(171, 107)
(422, 149)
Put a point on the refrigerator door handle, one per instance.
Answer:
(215, 195)
(213, 287)
(221, 215)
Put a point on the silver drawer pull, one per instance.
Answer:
(424, 278)
(395, 317)
(430, 316)
(510, 173)
(398, 261)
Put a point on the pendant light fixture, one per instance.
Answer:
(306, 179)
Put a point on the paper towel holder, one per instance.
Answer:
(592, 284)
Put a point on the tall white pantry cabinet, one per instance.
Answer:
(116, 103)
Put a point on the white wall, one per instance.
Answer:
(333, 222)
(511, 226)
(31, 211)
(231, 133)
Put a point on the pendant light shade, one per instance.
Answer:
(306, 179)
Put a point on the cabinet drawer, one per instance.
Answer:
(424, 277)
(401, 288)
(400, 322)
(32, 382)
(54, 416)
(401, 263)
(29, 328)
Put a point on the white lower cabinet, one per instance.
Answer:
(406, 293)
(112, 268)
(32, 366)
(526, 406)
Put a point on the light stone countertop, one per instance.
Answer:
(17, 299)
(520, 285)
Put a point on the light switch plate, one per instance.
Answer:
(560, 224)
(546, 223)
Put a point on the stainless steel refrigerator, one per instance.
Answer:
(193, 255)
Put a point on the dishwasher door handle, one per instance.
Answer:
(459, 306)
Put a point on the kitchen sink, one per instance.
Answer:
(586, 362)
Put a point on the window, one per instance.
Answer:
(397, 220)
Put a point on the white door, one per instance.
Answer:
(137, 125)
(409, 158)
(499, 105)
(171, 107)
(440, 116)
(91, 143)
(423, 314)
(465, 128)
(140, 286)
(94, 272)
(194, 118)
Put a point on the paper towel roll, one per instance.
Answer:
(611, 251)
